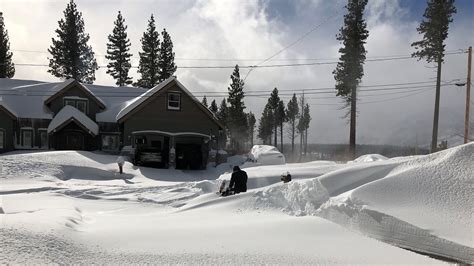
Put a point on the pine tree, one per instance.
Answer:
(274, 101)
(72, 57)
(281, 119)
(166, 63)
(118, 49)
(222, 116)
(213, 107)
(307, 120)
(434, 27)
(292, 114)
(349, 70)
(265, 127)
(204, 101)
(148, 66)
(7, 68)
(251, 123)
(237, 119)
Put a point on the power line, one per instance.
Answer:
(255, 66)
(457, 51)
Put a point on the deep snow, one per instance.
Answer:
(65, 206)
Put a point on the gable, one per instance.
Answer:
(72, 88)
(156, 100)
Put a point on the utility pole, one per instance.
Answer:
(468, 95)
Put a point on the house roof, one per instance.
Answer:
(132, 105)
(69, 114)
(26, 98)
(64, 86)
(4, 107)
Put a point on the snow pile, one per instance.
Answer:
(422, 203)
(69, 113)
(267, 155)
(432, 192)
(369, 158)
(295, 198)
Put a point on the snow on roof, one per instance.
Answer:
(67, 113)
(25, 98)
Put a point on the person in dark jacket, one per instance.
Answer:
(238, 181)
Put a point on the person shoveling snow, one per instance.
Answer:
(238, 183)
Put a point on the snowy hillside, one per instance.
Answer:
(74, 207)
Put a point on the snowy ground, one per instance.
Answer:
(73, 207)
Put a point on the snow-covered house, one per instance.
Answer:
(73, 116)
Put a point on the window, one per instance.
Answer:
(140, 140)
(2, 139)
(82, 106)
(27, 138)
(174, 101)
(110, 142)
(79, 103)
(70, 102)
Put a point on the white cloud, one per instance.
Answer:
(244, 29)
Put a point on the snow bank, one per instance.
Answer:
(267, 155)
(422, 203)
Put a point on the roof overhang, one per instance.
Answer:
(174, 134)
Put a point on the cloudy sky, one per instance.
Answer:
(227, 32)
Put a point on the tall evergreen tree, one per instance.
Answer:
(265, 127)
(434, 27)
(7, 68)
(292, 113)
(166, 63)
(349, 70)
(274, 101)
(307, 120)
(148, 66)
(214, 107)
(118, 49)
(302, 127)
(204, 101)
(281, 119)
(237, 119)
(72, 57)
(251, 123)
(222, 115)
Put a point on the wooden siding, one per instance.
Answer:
(58, 102)
(154, 115)
(7, 124)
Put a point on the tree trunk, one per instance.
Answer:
(281, 137)
(275, 140)
(301, 144)
(352, 136)
(293, 138)
(305, 142)
(434, 139)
